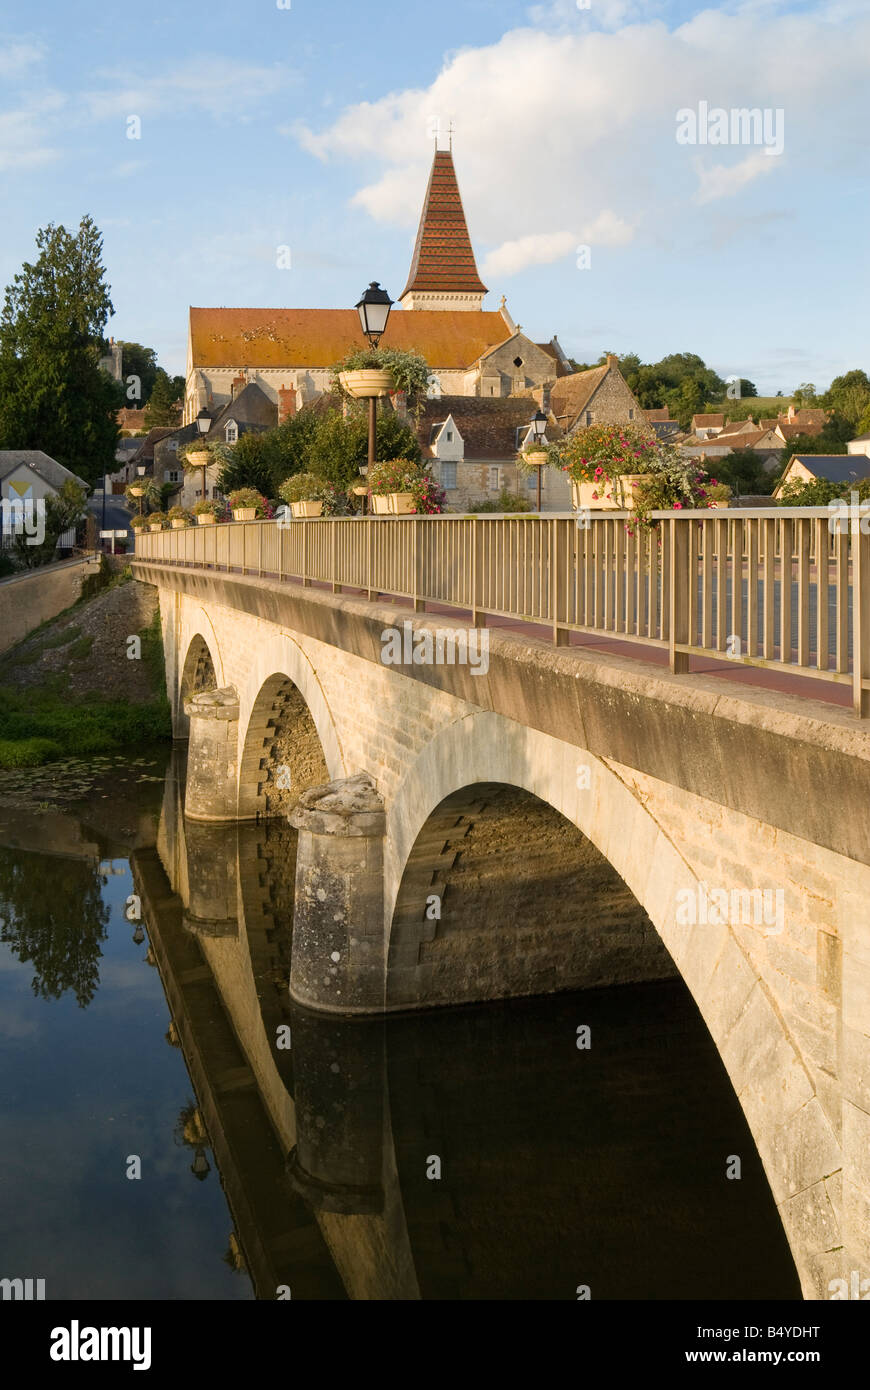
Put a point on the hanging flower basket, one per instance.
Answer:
(197, 458)
(370, 381)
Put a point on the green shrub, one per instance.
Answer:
(505, 502)
(28, 752)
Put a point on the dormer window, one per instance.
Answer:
(231, 433)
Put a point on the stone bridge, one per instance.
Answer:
(555, 819)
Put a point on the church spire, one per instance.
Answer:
(443, 270)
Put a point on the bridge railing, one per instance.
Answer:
(786, 588)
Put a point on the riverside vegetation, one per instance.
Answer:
(70, 689)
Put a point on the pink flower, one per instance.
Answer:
(678, 506)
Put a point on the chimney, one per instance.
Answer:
(541, 395)
(238, 384)
(286, 403)
(791, 413)
(612, 359)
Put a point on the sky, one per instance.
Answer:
(276, 152)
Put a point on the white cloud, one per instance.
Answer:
(24, 133)
(558, 128)
(18, 57)
(220, 87)
(542, 248)
(723, 180)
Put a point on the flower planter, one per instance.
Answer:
(200, 459)
(360, 491)
(371, 381)
(204, 519)
(720, 502)
(178, 525)
(535, 458)
(244, 513)
(136, 491)
(158, 527)
(380, 505)
(594, 496)
(401, 503)
(308, 508)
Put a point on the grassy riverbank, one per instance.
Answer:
(70, 689)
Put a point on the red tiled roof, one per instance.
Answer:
(448, 339)
(658, 416)
(708, 422)
(443, 259)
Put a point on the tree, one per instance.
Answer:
(164, 407)
(53, 395)
(804, 395)
(140, 362)
(747, 387)
(849, 397)
(828, 442)
(744, 472)
(62, 510)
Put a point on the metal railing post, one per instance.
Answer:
(860, 618)
(678, 574)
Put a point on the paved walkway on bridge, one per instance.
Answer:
(739, 673)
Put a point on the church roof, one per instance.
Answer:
(443, 259)
(319, 337)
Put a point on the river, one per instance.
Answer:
(172, 1127)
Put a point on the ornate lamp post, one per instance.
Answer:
(203, 424)
(374, 311)
(140, 490)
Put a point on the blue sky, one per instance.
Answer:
(311, 127)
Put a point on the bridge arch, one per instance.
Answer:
(284, 722)
(200, 669)
(775, 1088)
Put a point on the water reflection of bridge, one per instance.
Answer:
(329, 1221)
(322, 1148)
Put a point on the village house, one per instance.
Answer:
(471, 443)
(706, 426)
(29, 476)
(835, 468)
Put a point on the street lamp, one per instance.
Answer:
(139, 491)
(539, 425)
(374, 311)
(203, 424)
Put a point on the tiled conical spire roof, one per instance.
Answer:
(443, 260)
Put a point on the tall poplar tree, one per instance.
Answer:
(53, 394)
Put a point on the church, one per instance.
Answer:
(288, 353)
